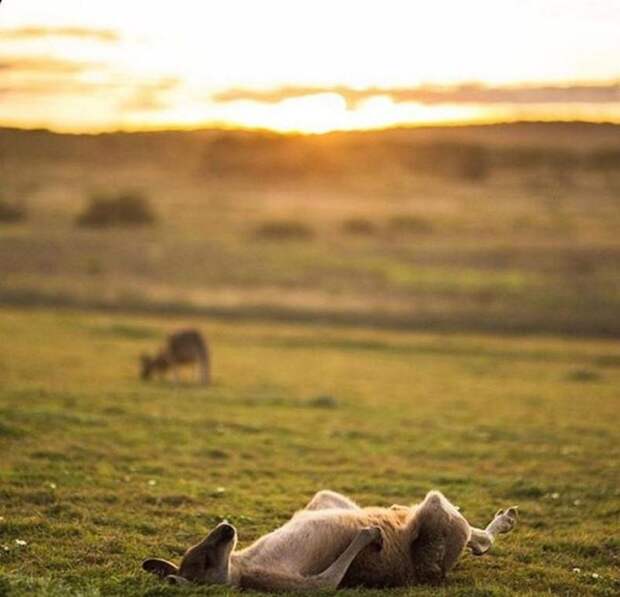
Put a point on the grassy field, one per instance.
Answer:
(99, 470)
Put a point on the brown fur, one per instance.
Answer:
(181, 348)
(392, 566)
(420, 545)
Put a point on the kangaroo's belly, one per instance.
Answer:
(310, 542)
(306, 545)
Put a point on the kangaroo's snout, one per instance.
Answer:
(222, 533)
(227, 531)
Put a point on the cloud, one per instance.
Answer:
(42, 65)
(47, 87)
(83, 33)
(150, 96)
(133, 96)
(461, 94)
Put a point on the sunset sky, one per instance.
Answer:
(305, 65)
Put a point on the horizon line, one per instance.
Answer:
(223, 127)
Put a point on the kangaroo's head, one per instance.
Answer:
(207, 562)
(150, 365)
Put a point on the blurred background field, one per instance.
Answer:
(511, 228)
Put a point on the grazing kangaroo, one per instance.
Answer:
(334, 543)
(181, 348)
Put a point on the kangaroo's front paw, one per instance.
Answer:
(505, 521)
(374, 537)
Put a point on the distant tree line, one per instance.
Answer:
(267, 157)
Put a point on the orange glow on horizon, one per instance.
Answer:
(326, 113)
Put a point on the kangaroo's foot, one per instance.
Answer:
(481, 540)
(503, 522)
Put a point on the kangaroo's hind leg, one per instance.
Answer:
(205, 374)
(441, 534)
(204, 360)
(266, 580)
(202, 370)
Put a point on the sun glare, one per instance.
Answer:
(94, 66)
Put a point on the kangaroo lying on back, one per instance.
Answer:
(181, 348)
(334, 543)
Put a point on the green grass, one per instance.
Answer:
(99, 470)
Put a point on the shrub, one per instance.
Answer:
(324, 401)
(10, 212)
(359, 226)
(449, 160)
(410, 224)
(474, 163)
(605, 159)
(583, 375)
(284, 230)
(124, 209)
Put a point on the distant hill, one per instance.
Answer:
(223, 153)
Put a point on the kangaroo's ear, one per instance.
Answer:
(161, 568)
